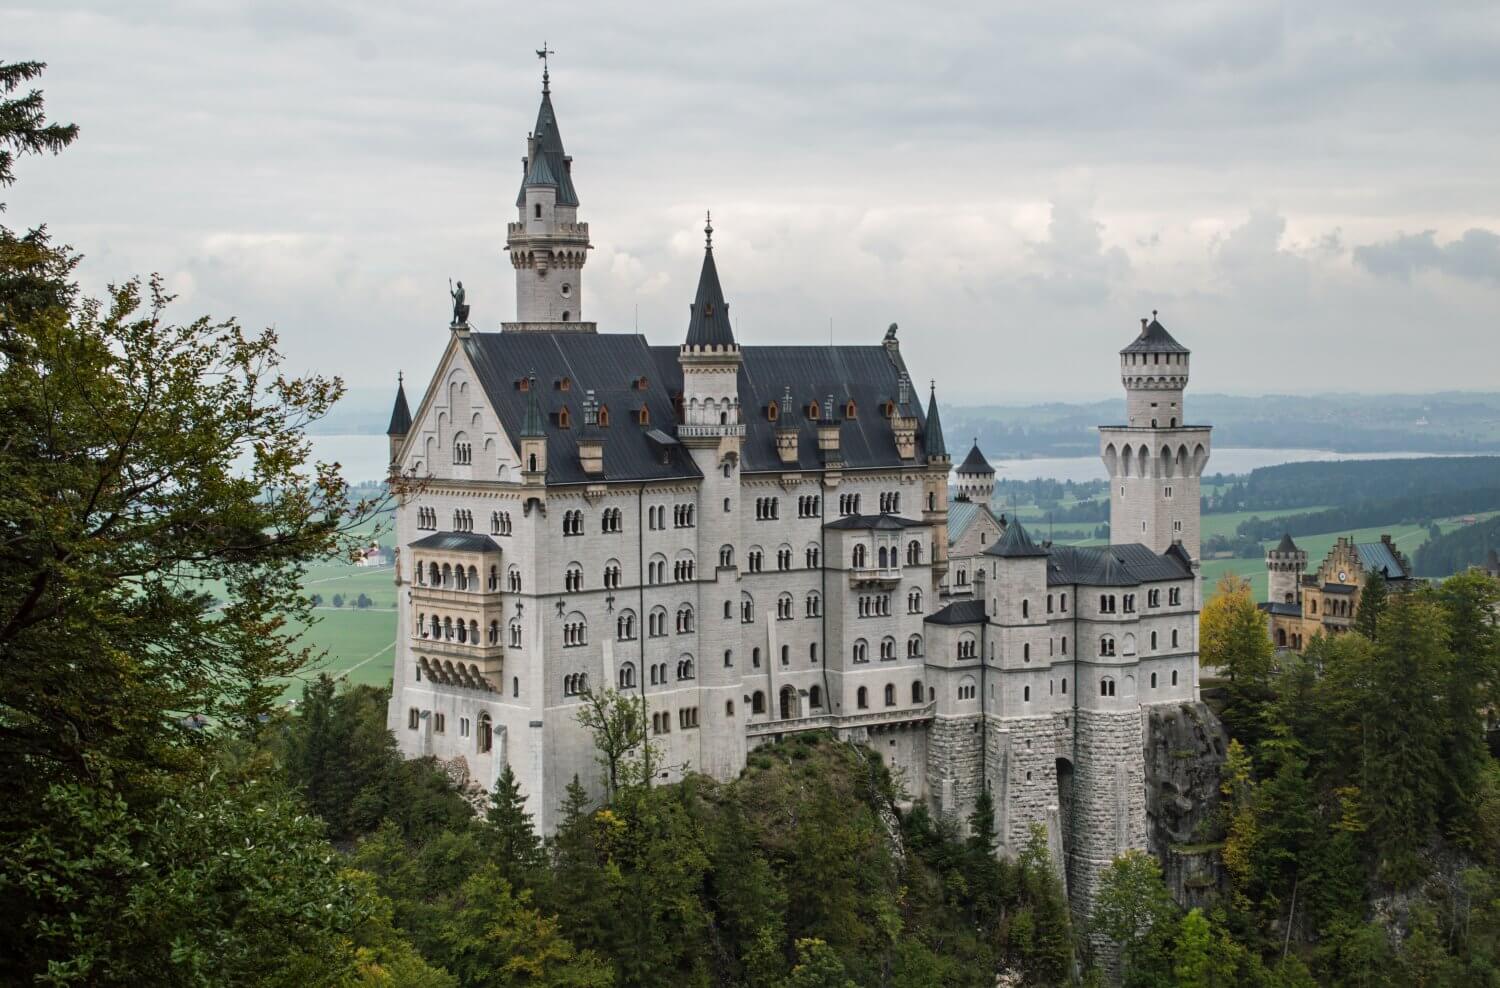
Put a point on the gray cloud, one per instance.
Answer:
(1475, 256)
(1014, 185)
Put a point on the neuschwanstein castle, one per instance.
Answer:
(761, 540)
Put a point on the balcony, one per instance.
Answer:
(447, 595)
(865, 575)
(861, 718)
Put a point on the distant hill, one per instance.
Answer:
(1447, 422)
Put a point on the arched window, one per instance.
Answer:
(1153, 680)
(814, 604)
(685, 667)
(918, 696)
(757, 702)
(1107, 686)
(887, 648)
(726, 556)
(914, 601)
(627, 676)
(786, 655)
(862, 698)
(815, 697)
(1106, 645)
(747, 608)
(861, 650)
(685, 619)
(890, 694)
(1025, 694)
(515, 632)
(486, 734)
(860, 555)
(656, 622)
(625, 626)
(573, 578)
(914, 553)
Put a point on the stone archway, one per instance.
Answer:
(788, 703)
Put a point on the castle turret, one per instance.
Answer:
(533, 439)
(935, 488)
(975, 477)
(1154, 460)
(400, 423)
(1285, 565)
(712, 432)
(547, 244)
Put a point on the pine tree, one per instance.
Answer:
(1469, 601)
(982, 835)
(1372, 601)
(509, 835)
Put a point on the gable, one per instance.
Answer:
(456, 433)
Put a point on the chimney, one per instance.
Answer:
(1143, 325)
(904, 423)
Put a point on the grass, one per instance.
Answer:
(359, 646)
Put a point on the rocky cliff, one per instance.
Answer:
(1185, 747)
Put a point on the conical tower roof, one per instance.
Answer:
(1015, 543)
(400, 413)
(549, 162)
(708, 326)
(933, 436)
(534, 424)
(1287, 545)
(975, 462)
(1154, 338)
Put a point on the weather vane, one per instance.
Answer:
(542, 53)
(708, 230)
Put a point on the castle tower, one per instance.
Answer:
(400, 422)
(975, 476)
(935, 489)
(1285, 565)
(713, 434)
(547, 244)
(1154, 460)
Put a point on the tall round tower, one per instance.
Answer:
(1154, 460)
(1285, 565)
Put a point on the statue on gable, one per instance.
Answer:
(460, 307)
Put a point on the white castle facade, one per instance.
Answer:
(760, 541)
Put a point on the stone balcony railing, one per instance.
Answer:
(470, 651)
(863, 718)
(448, 595)
(875, 574)
(686, 431)
(521, 230)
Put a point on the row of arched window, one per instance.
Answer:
(874, 605)
(500, 523)
(862, 695)
(427, 518)
(767, 508)
(463, 520)
(890, 502)
(451, 577)
(456, 630)
(810, 506)
(484, 736)
(860, 651)
(848, 504)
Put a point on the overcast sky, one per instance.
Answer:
(1308, 192)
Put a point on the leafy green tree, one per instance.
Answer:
(623, 747)
(1192, 954)
(1133, 909)
(818, 966)
(493, 937)
(982, 836)
(338, 600)
(1372, 601)
(1235, 641)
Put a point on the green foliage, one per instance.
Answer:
(617, 722)
(1133, 910)
(1372, 603)
(1457, 550)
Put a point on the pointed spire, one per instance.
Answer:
(708, 326)
(400, 413)
(534, 425)
(933, 436)
(975, 461)
(546, 143)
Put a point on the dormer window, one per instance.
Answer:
(640, 383)
(643, 415)
(849, 409)
(524, 384)
(888, 409)
(564, 420)
(773, 412)
(564, 384)
(708, 309)
(603, 415)
(812, 411)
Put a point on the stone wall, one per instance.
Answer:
(1185, 746)
(1108, 815)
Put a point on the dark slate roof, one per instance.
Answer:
(535, 423)
(975, 462)
(1347, 588)
(867, 374)
(400, 413)
(1015, 543)
(1114, 565)
(879, 523)
(1378, 558)
(959, 612)
(457, 541)
(936, 446)
(607, 363)
(1281, 607)
(962, 514)
(709, 323)
(1286, 545)
(1154, 338)
(550, 147)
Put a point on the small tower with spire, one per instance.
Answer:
(975, 476)
(935, 487)
(547, 244)
(400, 423)
(533, 439)
(710, 360)
(1285, 565)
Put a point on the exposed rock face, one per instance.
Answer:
(1185, 748)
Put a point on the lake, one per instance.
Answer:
(366, 457)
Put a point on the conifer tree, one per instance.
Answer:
(510, 836)
(982, 836)
(1372, 598)
(1469, 602)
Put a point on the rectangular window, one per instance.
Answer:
(439, 723)
(463, 727)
